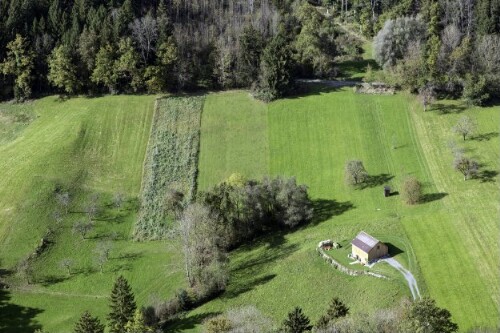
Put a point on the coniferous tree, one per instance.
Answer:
(336, 309)
(88, 324)
(296, 322)
(122, 306)
(276, 69)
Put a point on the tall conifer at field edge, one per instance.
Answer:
(122, 305)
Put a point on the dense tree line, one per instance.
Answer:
(450, 47)
(121, 46)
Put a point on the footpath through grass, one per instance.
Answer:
(93, 149)
(448, 241)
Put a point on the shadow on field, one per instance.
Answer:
(325, 209)
(447, 109)
(375, 180)
(13, 317)
(311, 89)
(255, 256)
(393, 249)
(429, 197)
(487, 176)
(189, 322)
(485, 136)
(49, 280)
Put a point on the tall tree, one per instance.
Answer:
(88, 324)
(276, 79)
(104, 72)
(425, 316)
(62, 71)
(19, 64)
(122, 306)
(251, 46)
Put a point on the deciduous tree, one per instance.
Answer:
(19, 64)
(411, 190)
(355, 172)
(465, 126)
(62, 70)
(425, 316)
(466, 166)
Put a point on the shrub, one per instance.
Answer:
(219, 324)
(411, 190)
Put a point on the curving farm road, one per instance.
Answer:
(412, 283)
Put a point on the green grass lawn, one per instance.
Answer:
(88, 147)
(237, 125)
(448, 241)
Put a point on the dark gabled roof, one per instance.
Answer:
(365, 242)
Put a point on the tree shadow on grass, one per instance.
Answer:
(448, 108)
(16, 318)
(485, 136)
(429, 197)
(189, 322)
(375, 180)
(325, 209)
(50, 280)
(247, 274)
(487, 176)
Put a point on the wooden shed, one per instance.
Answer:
(366, 248)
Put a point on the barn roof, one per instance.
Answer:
(365, 242)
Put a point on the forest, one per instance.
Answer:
(431, 47)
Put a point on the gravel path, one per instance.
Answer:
(412, 283)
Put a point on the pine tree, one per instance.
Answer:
(336, 309)
(88, 324)
(276, 69)
(137, 324)
(122, 306)
(297, 322)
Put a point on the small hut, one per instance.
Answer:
(366, 248)
(387, 191)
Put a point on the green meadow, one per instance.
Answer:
(95, 149)
(449, 241)
(92, 149)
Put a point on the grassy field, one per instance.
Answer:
(448, 241)
(237, 125)
(91, 148)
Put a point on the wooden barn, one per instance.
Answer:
(366, 248)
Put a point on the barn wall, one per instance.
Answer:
(377, 253)
(360, 253)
